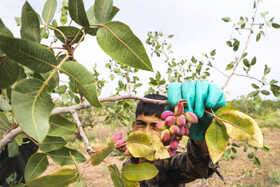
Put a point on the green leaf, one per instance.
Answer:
(54, 180)
(255, 86)
(251, 155)
(61, 89)
(65, 98)
(226, 19)
(31, 54)
(4, 105)
(92, 20)
(9, 72)
(64, 170)
(216, 138)
(213, 53)
(78, 13)
(30, 26)
(253, 61)
(62, 156)
(61, 126)
(70, 32)
(12, 149)
(116, 176)
(114, 11)
(52, 143)
(54, 80)
(81, 183)
(4, 122)
(49, 10)
(275, 90)
(242, 127)
(129, 183)
(257, 162)
(230, 66)
(275, 25)
(98, 157)
(32, 106)
(18, 20)
(102, 10)
(224, 109)
(266, 70)
(81, 81)
(265, 149)
(139, 172)
(118, 41)
(36, 165)
(146, 145)
(235, 145)
(4, 30)
(258, 36)
(265, 92)
(229, 43)
(246, 62)
(244, 55)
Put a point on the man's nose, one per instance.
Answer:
(147, 128)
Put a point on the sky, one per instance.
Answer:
(197, 28)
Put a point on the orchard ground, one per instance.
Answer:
(239, 171)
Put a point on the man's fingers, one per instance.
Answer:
(216, 98)
(188, 93)
(200, 97)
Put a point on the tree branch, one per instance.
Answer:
(81, 132)
(245, 47)
(250, 78)
(9, 137)
(61, 110)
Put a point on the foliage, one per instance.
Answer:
(30, 73)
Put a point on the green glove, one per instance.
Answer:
(199, 95)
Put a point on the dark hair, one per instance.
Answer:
(149, 109)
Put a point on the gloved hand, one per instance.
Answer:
(199, 96)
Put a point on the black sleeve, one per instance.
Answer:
(191, 165)
(16, 165)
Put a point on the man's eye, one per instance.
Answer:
(139, 124)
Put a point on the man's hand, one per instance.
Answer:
(199, 96)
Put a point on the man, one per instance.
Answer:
(188, 166)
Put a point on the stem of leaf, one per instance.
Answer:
(79, 42)
(246, 45)
(53, 28)
(4, 60)
(76, 36)
(212, 114)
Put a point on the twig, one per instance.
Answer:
(220, 71)
(4, 60)
(79, 41)
(9, 137)
(81, 132)
(212, 114)
(163, 51)
(121, 122)
(62, 110)
(245, 47)
(76, 36)
(250, 78)
(53, 28)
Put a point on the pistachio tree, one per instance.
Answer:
(31, 71)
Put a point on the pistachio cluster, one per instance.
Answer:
(119, 143)
(175, 125)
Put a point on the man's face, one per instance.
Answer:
(146, 124)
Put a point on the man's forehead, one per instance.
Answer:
(150, 118)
